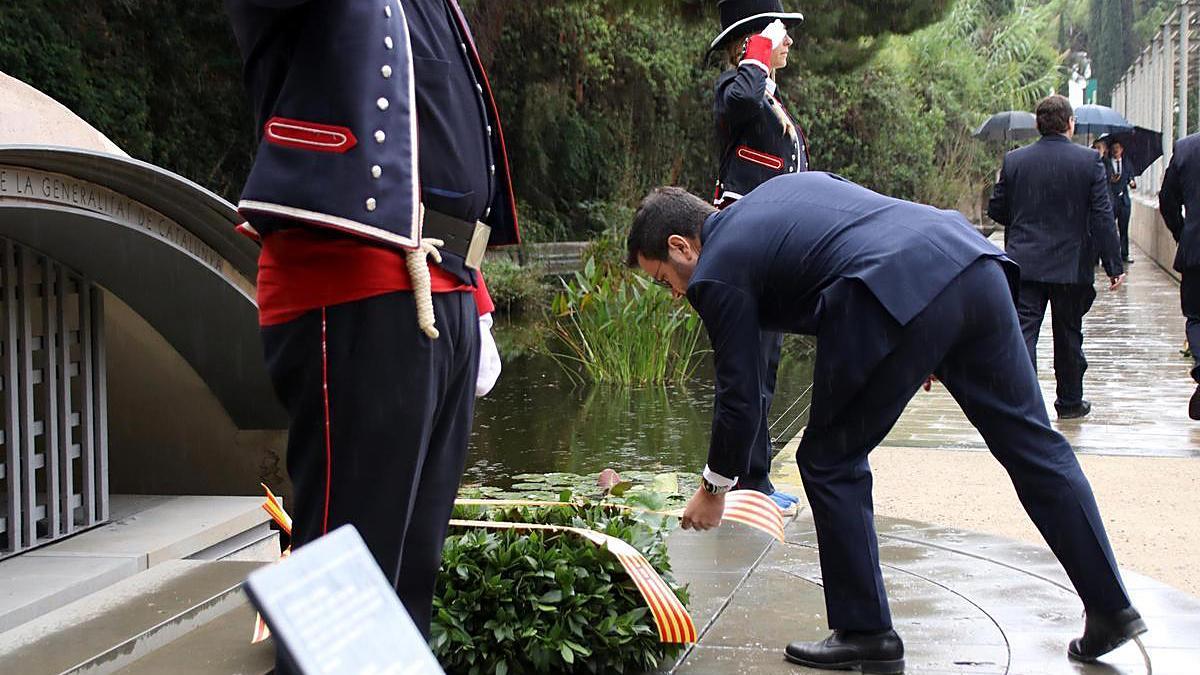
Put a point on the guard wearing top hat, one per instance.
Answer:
(759, 140)
(379, 181)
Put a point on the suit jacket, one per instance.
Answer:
(1180, 191)
(813, 253)
(344, 92)
(1118, 189)
(1053, 199)
(754, 147)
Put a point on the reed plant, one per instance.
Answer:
(617, 327)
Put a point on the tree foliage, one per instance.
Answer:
(161, 79)
(601, 99)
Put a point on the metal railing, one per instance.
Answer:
(1155, 92)
(54, 442)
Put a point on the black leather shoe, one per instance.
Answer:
(1194, 404)
(1103, 633)
(1129, 261)
(881, 652)
(1074, 412)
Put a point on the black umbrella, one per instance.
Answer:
(1010, 125)
(1142, 148)
(1099, 119)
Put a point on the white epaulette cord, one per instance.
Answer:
(418, 271)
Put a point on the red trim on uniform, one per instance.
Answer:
(302, 268)
(249, 232)
(761, 158)
(308, 135)
(759, 49)
(328, 440)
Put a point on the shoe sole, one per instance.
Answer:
(894, 667)
(1136, 628)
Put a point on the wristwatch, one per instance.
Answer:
(713, 489)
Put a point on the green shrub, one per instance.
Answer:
(514, 288)
(620, 328)
(547, 602)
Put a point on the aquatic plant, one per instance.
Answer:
(618, 327)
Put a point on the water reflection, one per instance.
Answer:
(536, 421)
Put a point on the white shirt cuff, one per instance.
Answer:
(755, 62)
(717, 479)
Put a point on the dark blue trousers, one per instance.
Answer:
(380, 416)
(1068, 304)
(969, 336)
(1189, 298)
(1122, 210)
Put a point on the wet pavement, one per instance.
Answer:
(1137, 380)
(962, 602)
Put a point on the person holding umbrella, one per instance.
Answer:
(759, 140)
(1120, 179)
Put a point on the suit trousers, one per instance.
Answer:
(1121, 209)
(969, 337)
(1189, 298)
(758, 475)
(1068, 304)
(380, 416)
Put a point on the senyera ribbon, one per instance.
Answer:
(675, 625)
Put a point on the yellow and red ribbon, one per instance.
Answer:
(674, 624)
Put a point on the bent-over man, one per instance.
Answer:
(893, 291)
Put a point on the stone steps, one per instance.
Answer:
(160, 584)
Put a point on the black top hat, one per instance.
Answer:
(739, 17)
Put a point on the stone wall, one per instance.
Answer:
(1147, 231)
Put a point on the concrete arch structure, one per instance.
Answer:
(191, 408)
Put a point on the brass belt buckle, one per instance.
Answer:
(479, 242)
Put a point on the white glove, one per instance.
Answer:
(776, 32)
(489, 358)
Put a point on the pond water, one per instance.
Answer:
(537, 420)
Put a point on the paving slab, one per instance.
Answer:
(962, 601)
(165, 529)
(30, 587)
(151, 608)
(145, 531)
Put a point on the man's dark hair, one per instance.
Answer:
(1114, 143)
(664, 212)
(1054, 115)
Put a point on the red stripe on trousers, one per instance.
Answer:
(328, 441)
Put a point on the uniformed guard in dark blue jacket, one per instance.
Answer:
(380, 145)
(893, 291)
(759, 139)
(1179, 202)
(1053, 199)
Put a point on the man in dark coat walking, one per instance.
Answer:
(1120, 179)
(1179, 202)
(1053, 199)
(893, 291)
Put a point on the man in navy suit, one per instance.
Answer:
(893, 291)
(1179, 202)
(1053, 199)
(1120, 179)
